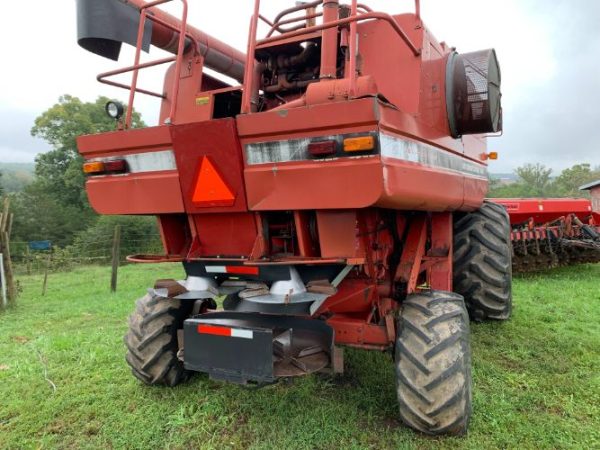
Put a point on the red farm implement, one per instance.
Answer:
(549, 233)
(334, 198)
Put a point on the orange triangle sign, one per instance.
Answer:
(211, 189)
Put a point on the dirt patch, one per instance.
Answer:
(56, 427)
(20, 339)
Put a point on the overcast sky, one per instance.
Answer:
(549, 53)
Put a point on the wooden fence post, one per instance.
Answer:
(28, 259)
(3, 282)
(116, 254)
(6, 219)
(48, 262)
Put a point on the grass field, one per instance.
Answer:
(536, 379)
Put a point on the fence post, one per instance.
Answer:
(3, 282)
(116, 254)
(28, 259)
(48, 261)
(6, 219)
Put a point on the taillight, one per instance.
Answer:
(322, 148)
(105, 167)
(355, 145)
(115, 166)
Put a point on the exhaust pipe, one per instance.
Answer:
(104, 25)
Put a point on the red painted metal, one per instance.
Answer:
(102, 78)
(386, 213)
(440, 254)
(165, 34)
(356, 332)
(337, 23)
(167, 30)
(329, 40)
(154, 193)
(218, 141)
(353, 49)
(544, 210)
(409, 268)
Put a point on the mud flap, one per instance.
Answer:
(256, 348)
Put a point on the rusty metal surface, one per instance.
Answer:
(552, 232)
(537, 255)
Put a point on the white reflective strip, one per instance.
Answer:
(281, 151)
(151, 161)
(427, 155)
(390, 147)
(216, 269)
(244, 334)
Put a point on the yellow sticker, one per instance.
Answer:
(202, 101)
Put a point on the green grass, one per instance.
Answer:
(537, 379)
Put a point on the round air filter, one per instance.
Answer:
(473, 97)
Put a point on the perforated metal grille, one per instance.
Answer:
(474, 94)
(476, 68)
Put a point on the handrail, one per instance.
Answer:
(352, 48)
(355, 16)
(346, 21)
(137, 66)
(296, 8)
(249, 68)
(138, 50)
(102, 76)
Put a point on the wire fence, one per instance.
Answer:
(98, 251)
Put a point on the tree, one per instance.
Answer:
(569, 181)
(536, 178)
(512, 190)
(59, 170)
(535, 181)
(54, 206)
(40, 216)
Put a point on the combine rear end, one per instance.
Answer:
(548, 233)
(335, 198)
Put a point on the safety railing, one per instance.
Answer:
(145, 15)
(302, 29)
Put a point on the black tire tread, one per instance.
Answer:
(434, 375)
(483, 262)
(151, 341)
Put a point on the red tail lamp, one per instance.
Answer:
(322, 149)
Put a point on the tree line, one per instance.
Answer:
(536, 180)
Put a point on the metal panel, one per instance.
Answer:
(253, 347)
(217, 140)
(150, 193)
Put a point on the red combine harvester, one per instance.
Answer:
(334, 198)
(548, 233)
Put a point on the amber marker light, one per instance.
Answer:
(359, 144)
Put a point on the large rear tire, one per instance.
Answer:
(483, 262)
(152, 340)
(433, 364)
